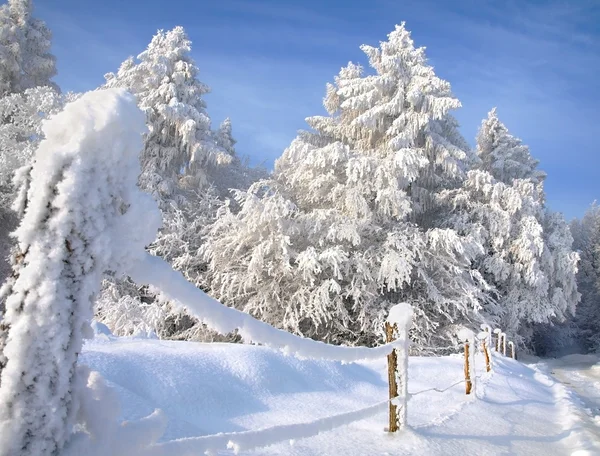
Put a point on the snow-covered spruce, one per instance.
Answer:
(504, 156)
(180, 148)
(527, 259)
(330, 243)
(82, 219)
(584, 329)
(186, 166)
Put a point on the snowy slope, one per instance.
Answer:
(211, 388)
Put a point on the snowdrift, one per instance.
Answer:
(207, 389)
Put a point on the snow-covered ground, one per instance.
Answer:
(206, 389)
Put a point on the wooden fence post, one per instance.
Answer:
(397, 325)
(503, 344)
(393, 386)
(486, 353)
(497, 331)
(513, 350)
(468, 384)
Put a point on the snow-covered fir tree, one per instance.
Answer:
(527, 258)
(504, 156)
(180, 148)
(25, 58)
(186, 166)
(327, 245)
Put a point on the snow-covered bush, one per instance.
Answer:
(81, 220)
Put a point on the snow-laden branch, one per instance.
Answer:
(248, 440)
(173, 286)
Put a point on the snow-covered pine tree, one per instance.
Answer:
(25, 58)
(82, 219)
(327, 245)
(504, 156)
(180, 150)
(527, 259)
(504, 220)
(186, 166)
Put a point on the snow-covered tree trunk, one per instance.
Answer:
(81, 220)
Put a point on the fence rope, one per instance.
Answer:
(462, 380)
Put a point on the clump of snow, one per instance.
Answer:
(99, 432)
(401, 315)
(465, 334)
(100, 328)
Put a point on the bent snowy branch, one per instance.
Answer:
(173, 286)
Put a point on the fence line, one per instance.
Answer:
(172, 285)
(248, 440)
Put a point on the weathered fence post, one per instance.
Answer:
(503, 343)
(468, 383)
(397, 326)
(488, 346)
(498, 332)
(513, 350)
(485, 340)
(392, 367)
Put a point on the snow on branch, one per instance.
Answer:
(173, 286)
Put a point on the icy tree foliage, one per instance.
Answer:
(504, 156)
(527, 258)
(25, 59)
(529, 267)
(329, 244)
(586, 234)
(180, 149)
(82, 218)
(21, 116)
(186, 166)
(561, 268)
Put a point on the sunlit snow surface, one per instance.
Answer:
(211, 388)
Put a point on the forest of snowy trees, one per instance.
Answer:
(379, 201)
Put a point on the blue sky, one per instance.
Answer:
(267, 62)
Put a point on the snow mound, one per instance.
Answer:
(228, 397)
